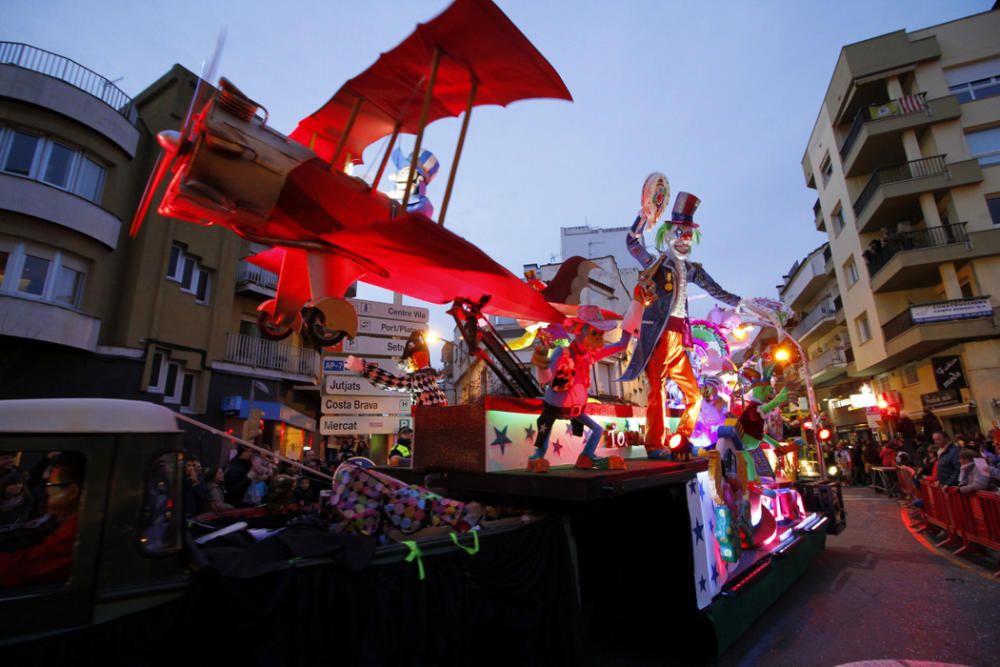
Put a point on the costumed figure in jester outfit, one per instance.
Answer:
(664, 334)
(567, 376)
(420, 381)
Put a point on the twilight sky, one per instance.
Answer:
(719, 96)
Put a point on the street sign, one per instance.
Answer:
(390, 311)
(336, 366)
(377, 326)
(399, 404)
(354, 386)
(329, 425)
(370, 346)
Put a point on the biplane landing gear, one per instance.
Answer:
(314, 325)
(270, 329)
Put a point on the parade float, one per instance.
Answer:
(603, 507)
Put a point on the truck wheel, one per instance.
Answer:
(315, 327)
(269, 329)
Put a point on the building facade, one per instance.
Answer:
(905, 158)
(85, 310)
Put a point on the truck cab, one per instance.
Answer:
(91, 522)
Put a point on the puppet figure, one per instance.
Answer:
(421, 381)
(567, 376)
(427, 168)
(749, 430)
(665, 334)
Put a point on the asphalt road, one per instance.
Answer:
(877, 593)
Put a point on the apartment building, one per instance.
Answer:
(85, 310)
(905, 158)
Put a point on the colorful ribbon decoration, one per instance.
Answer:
(474, 549)
(415, 552)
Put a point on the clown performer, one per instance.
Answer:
(567, 376)
(664, 334)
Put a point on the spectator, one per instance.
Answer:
(843, 459)
(15, 499)
(930, 423)
(974, 474)
(948, 464)
(906, 428)
(888, 455)
(194, 490)
(857, 466)
(872, 458)
(215, 493)
(237, 479)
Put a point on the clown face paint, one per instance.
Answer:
(681, 237)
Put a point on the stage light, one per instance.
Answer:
(676, 440)
(833, 470)
(824, 434)
(431, 337)
(782, 354)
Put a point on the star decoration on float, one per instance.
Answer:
(529, 434)
(501, 439)
(701, 490)
(693, 486)
(557, 447)
(701, 583)
(715, 573)
(698, 530)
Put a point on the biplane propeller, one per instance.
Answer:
(329, 229)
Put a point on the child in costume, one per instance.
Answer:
(567, 376)
(665, 331)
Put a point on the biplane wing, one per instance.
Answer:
(482, 55)
(426, 261)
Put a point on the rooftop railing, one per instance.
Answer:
(247, 273)
(62, 68)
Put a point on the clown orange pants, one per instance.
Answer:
(669, 361)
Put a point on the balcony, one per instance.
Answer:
(805, 282)
(818, 214)
(925, 328)
(271, 355)
(46, 202)
(893, 193)
(828, 366)
(819, 321)
(255, 281)
(49, 322)
(874, 137)
(54, 82)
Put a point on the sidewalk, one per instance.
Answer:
(878, 593)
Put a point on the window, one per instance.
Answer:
(38, 272)
(910, 375)
(51, 161)
(992, 202)
(186, 270)
(169, 377)
(966, 287)
(838, 220)
(864, 331)
(985, 145)
(826, 168)
(850, 272)
(975, 81)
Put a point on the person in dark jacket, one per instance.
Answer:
(237, 480)
(930, 423)
(948, 464)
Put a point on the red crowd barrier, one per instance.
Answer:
(967, 520)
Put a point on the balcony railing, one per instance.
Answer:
(248, 274)
(834, 357)
(931, 237)
(271, 355)
(70, 71)
(939, 311)
(928, 166)
(838, 303)
(818, 314)
(901, 106)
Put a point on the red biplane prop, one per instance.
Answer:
(329, 229)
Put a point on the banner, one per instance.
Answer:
(951, 310)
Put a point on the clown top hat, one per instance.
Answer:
(684, 207)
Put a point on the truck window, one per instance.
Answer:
(40, 498)
(161, 522)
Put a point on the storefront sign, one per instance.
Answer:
(948, 372)
(951, 310)
(390, 311)
(399, 404)
(329, 425)
(939, 399)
